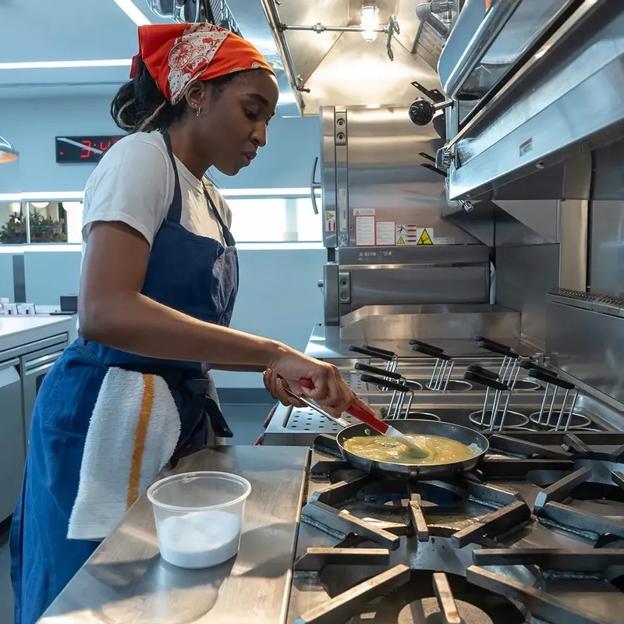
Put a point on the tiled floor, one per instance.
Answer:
(245, 420)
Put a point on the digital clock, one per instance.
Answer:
(84, 149)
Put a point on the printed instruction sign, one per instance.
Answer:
(385, 233)
(364, 230)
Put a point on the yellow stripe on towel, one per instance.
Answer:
(139, 438)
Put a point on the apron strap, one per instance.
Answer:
(225, 231)
(175, 209)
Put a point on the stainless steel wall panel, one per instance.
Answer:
(573, 233)
(588, 346)
(524, 274)
(385, 171)
(607, 247)
(444, 322)
(540, 216)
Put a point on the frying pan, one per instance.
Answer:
(476, 441)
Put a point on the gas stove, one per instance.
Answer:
(535, 534)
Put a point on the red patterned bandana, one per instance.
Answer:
(178, 54)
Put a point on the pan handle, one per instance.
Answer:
(433, 352)
(371, 353)
(382, 372)
(484, 372)
(547, 377)
(493, 343)
(380, 350)
(385, 382)
(484, 381)
(427, 345)
(506, 351)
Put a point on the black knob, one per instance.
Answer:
(421, 112)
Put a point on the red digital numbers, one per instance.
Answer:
(95, 147)
(87, 150)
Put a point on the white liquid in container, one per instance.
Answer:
(199, 539)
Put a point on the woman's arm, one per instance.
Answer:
(113, 311)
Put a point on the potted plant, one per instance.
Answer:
(13, 231)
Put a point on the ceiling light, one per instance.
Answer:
(129, 8)
(63, 64)
(370, 21)
(7, 151)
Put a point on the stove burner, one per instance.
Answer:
(432, 493)
(427, 611)
(413, 415)
(454, 385)
(525, 385)
(415, 602)
(513, 419)
(579, 421)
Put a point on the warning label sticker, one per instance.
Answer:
(407, 234)
(330, 221)
(424, 236)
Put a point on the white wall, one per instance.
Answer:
(31, 125)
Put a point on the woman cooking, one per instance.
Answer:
(158, 285)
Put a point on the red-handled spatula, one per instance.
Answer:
(366, 415)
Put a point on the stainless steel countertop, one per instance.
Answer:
(125, 580)
(18, 330)
(325, 343)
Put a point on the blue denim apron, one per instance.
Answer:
(190, 273)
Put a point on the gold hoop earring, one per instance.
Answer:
(198, 111)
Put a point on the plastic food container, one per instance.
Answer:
(199, 517)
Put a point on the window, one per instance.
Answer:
(273, 218)
(47, 222)
(258, 216)
(12, 223)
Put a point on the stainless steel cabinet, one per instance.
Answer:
(22, 370)
(34, 367)
(11, 435)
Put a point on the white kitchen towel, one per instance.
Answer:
(132, 434)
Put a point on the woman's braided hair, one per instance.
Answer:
(140, 106)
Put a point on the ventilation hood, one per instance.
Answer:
(535, 86)
(329, 62)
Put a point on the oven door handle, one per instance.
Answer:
(313, 186)
(44, 359)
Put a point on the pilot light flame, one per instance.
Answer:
(369, 21)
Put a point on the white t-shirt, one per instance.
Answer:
(134, 183)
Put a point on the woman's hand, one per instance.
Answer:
(329, 388)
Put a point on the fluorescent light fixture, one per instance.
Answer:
(370, 21)
(64, 64)
(130, 9)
